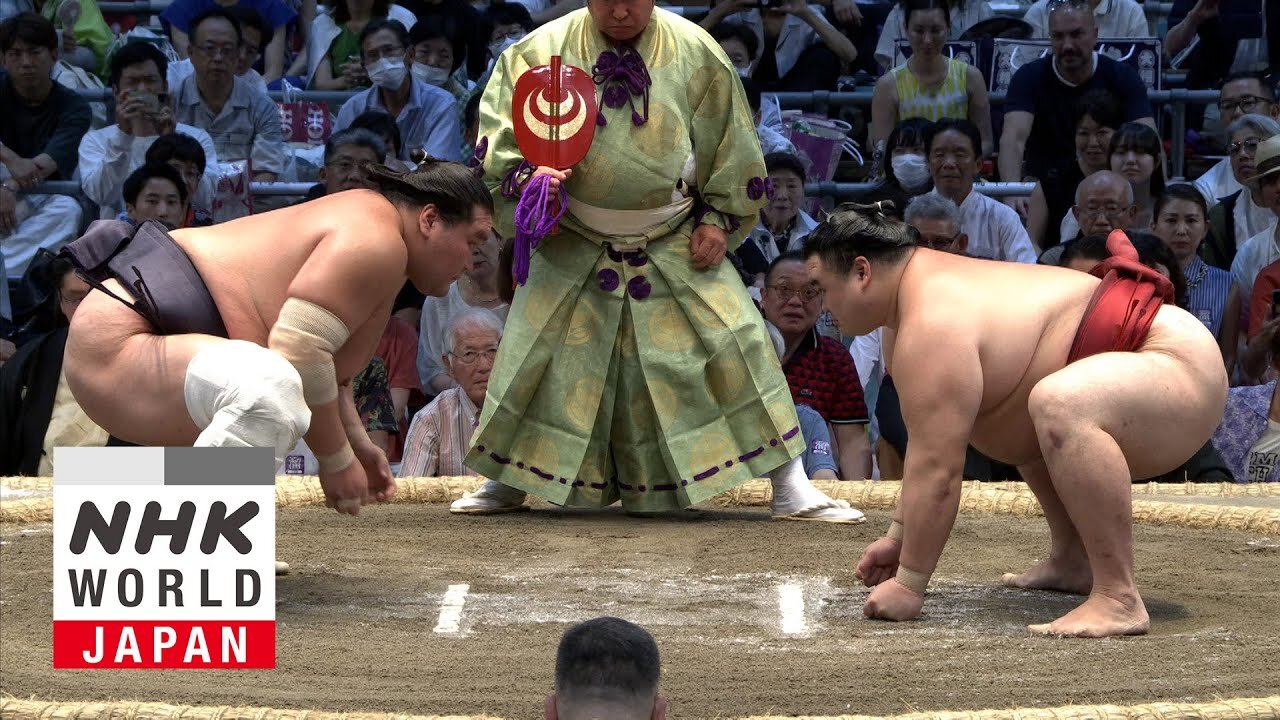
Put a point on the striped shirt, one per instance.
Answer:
(1207, 289)
(949, 101)
(440, 436)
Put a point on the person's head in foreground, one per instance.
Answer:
(69, 287)
(347, 157)
(606, 669)
(621, 21)
(937, 220)
(156, 191)
(382, 125)
(1083, 253)
(470, 345)
(446, 213)
(856, 258)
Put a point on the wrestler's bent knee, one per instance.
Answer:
(243, 395)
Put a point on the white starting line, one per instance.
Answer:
(791, 609)
(451, 609)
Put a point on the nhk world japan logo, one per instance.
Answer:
(164, 558)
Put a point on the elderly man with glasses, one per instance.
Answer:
(441, 432)
(1242, 94)
(243, 122)
(1242, 214)
(818, 369)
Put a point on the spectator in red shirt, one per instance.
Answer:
(398, 348)
(819, 369)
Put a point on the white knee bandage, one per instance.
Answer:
(243, 395)
(307, 336)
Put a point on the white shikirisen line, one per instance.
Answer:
(791, 609)
(451, 608)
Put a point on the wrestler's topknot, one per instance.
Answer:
(854, 230)
(452, 187)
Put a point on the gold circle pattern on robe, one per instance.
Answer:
(726, 303)
(668, 329)
(582, 404)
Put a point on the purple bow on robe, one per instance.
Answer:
(622, 75)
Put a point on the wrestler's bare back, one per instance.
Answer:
(1020, 320)
(249, 264)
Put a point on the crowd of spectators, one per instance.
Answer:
(190, 121)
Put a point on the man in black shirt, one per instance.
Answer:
(1039, 107)
(41, 125)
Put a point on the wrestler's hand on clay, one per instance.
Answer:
(893, 601)
(879, 562)
(707, 245)
(382, 485)
(345, 490)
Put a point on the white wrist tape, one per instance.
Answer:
(912, 580)
(895, 532)
(336, 461)
(307, 336)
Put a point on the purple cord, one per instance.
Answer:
(534, 222)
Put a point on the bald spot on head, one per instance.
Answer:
(1104, 185)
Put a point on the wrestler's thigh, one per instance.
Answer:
(127, 379)
(1159, 404)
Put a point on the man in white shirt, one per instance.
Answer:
(953, 149)
(143, 113)
(1242, 93)
(1262, 249)
(1116, 19)
(426, 115)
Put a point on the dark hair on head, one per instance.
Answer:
(1056, 6)
(1101, 105)
(775, 161)
(753, 93)
(507, 13)
(856, 230)
(737, 31)
(1262, 80)
(138, 178)
(133, 53)
(176, 146)
(786, 257)
(1153, 251)
(1181, 191)
(212, 13)
(607, 660)
(59, 268)
(250, 18)
(906, 132)
(1089, 247)
(342, 14)
(374, 26)
(1140, 138)
(30, 28)
(382, 125)
(358, 137)
(471, 113)
(451, 187)
(911, 6)
(441, 27)
(964, 127)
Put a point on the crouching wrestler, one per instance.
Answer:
(1083, 383)
(247, 333)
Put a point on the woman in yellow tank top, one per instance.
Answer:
(930, 85)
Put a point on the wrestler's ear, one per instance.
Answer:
(427, 219)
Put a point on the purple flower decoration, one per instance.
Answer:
(756, 188)
(636, 258)
(638, 287)
(608, 279)
(614, 255)
(615, 96)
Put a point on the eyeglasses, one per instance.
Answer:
(346, 167)
(1110, 211)
(471, 356)
(386, 51)
(1244, 102)
(938, 242)
(215, 51)
(1248, 147)
(807, 294)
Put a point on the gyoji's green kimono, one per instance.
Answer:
(623, 371)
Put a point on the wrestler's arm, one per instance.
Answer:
(940, 400)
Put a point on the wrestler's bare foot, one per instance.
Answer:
(1068, 574)
(1100, 616)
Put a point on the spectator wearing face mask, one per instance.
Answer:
(904, 171)
(438, 54)
(508, 23)
(739, 44)
(333, 48)
(426, 115)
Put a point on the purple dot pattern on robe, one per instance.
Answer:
(638, 287)
(608, 279)
(476, 161)
(756, 188)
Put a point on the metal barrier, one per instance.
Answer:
(836, 191)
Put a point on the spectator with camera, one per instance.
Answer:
(41, 126)
(800, 50)
(243, 123)
(143, 114)
(426, 115)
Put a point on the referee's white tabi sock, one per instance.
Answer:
(795, 498)
(492, 498)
